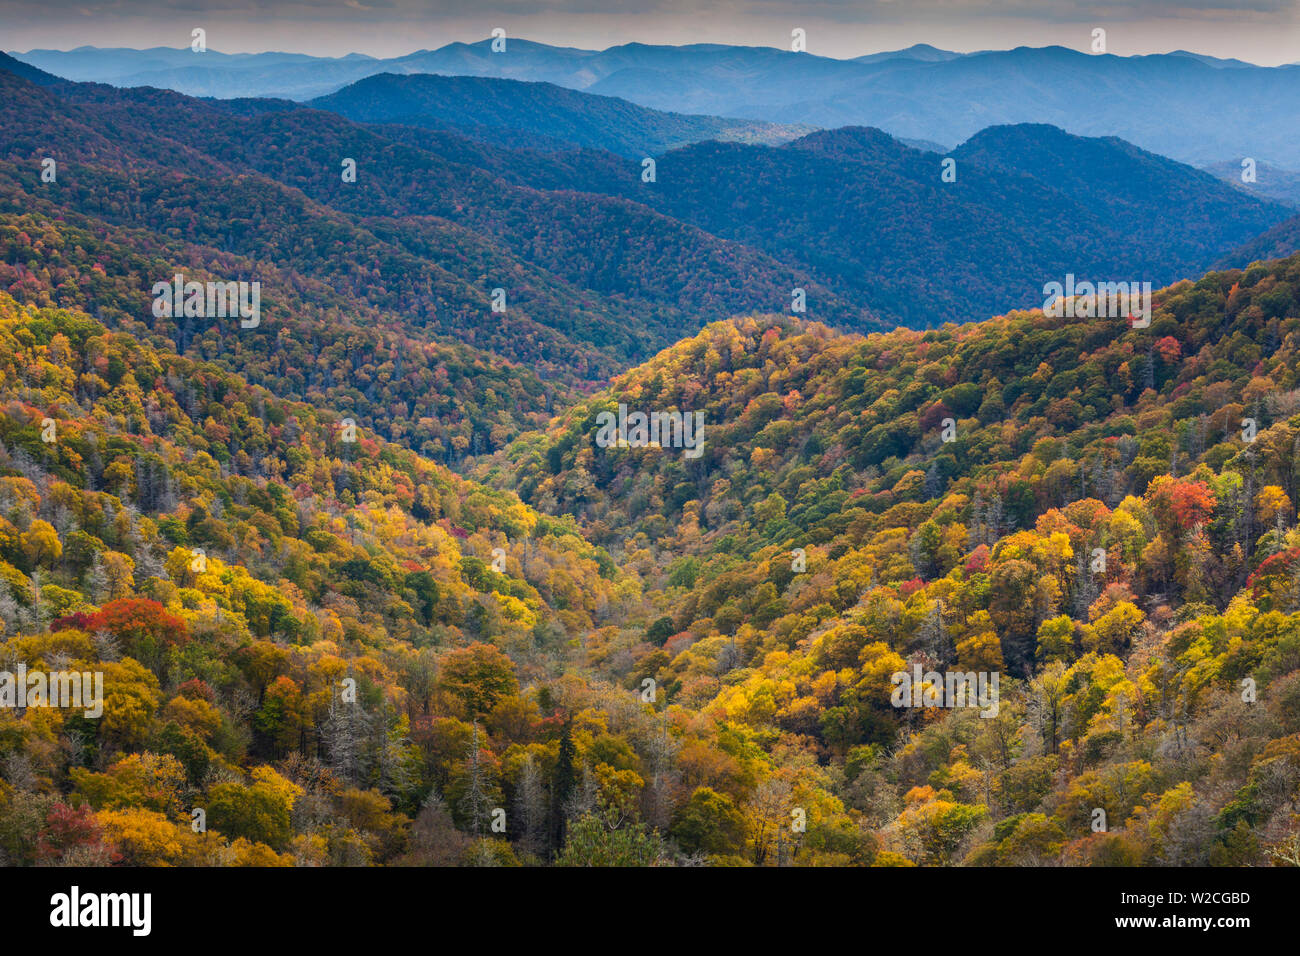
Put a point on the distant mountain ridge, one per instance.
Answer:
(27, 71)
(1046, 202)
(1272, 182)
(1188, 106)
(497, 110)
(872, 218)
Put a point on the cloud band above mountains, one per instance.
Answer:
(839, 28)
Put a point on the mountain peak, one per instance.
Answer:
(849, 142)
(917, 51)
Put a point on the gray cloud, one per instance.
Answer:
(1263, 31)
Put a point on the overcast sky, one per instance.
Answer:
(1260, 31)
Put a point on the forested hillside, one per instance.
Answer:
(1113, 529)
(261, 584)
(1281, 240)
(343, 653)
(869, 215)
(513, 113)
(600, 268)
(427, 241)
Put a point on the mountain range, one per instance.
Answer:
(853, 217)
(1193, 108)
(870, 216)
(369, 581)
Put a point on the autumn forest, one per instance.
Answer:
(366, 584)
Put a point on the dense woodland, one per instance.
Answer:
(594, 281)
(1123, 688)
(869, 216)
(230, 562)
(367, 590)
